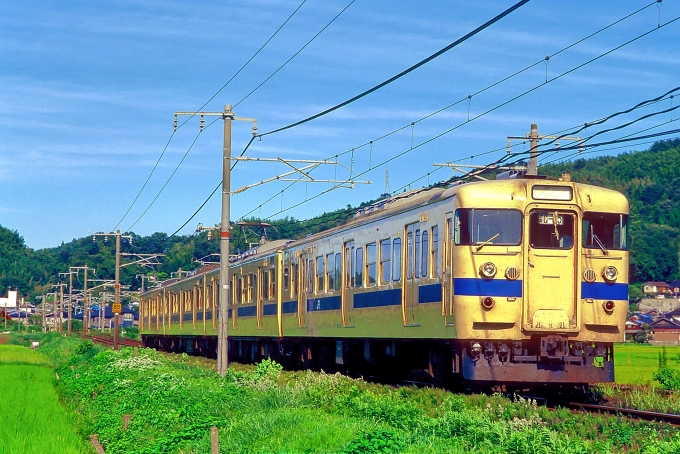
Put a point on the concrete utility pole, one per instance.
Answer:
(534, 137)
(70, 297)
(86, 308)
(58, 308)
(223, 331)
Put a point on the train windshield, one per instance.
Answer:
(485, 226)
(605, 231)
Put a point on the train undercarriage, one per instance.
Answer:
(550, 359)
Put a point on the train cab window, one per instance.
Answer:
(425, 252)
(435, 251)
(371, 265)
(385, 261)
(338, 270)
(320, 274)
(396, 260)
(487, 227)
(551, 230)
(359, 267)
(605, 231)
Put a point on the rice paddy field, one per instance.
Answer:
(33, 420)
(635, 364)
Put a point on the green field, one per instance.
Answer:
(34, 420)
(635, 364)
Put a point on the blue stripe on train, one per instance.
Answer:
(377, 299)
(331, 303)
(431, 293)
(269, 309)
(289, 307)
(250, 311)
(604, 291)
(487, 287)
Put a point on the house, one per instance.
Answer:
(128, 317)
(665, 332)
(632, 328)
(656, 289)
(675, 288)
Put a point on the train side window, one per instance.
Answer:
(385, 261)
(265, 284)
(409, 250)
(320, 273)
(396, 260)
(330, 272)
(426, 252)
(272, 283)
(338, 271)
(310, 276)
(349, 264)
(295, 276)
(416, 255)
(435, 251)
(286, 279)
(371, 265)
(359, 267)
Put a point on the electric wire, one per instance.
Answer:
(295, 54)
(205, 104)
(471, 119)
(403, 73)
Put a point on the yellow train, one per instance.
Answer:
(513, 281)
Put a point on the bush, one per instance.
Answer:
(377, 441)
(131, 332)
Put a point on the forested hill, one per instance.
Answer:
(651, 180)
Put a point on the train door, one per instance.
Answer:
(348, 274)
(409, 298)
(551, 270)
(301, 290)
(447, 271)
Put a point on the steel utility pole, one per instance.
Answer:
(223, 330)
(534, 137)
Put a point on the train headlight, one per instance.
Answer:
(610, 273)
(609, 306)
(488, 270)
(488, 303)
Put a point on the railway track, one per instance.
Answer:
(627, 412)
(123, 342)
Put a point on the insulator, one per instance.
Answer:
(174, 124)
(201, 123)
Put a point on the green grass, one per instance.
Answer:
(635, 364)
(34, 420)
(16, 354)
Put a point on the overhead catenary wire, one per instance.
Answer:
(403, 73)
(200, 108)
(477, 116)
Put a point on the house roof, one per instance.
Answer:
(656, 284)
(664, 323)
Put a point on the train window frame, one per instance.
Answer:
(396, 259)
(385, 261)
(264, 283)
(619, 223)
(416, 254)
(320, 271)
(359, 267)
(465, 236)
(409, 249)
(371, 265)
(425, 251)
(435, 250)
(338, 271)
(286, 278)
(552, 221)
(294, 278)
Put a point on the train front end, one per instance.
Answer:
(540, 281)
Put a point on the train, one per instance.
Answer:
(514, 281)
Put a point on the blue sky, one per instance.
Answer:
(88, 91)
